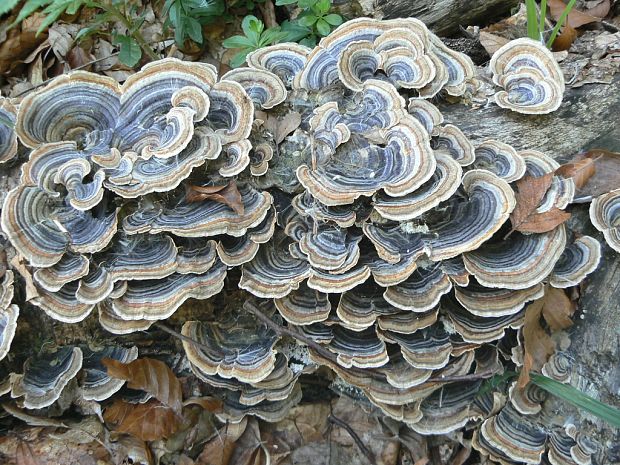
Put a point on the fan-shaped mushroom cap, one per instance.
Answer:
(527, 400)
(46, 376)
(501, 159)
(455, 269)
(96, 383)
(70, 267)
(442, 185)
(558, 367)
(8, 137)
(359, 168)
(239, 348)
(304, 306)
(157, 299)
(8, 314)
(509, 437)
(277, 386)
(361, 349)
(274, 272)
(284, 60)
(400, 374)
(521, 263)
(96, 286)
(479, 329)
(115, 324)
(357, 63)
(421, 291)
(201, 219)
(360, 307)
(81, 196)
(458, 69)
(491, 200)
(487, 302)
(561, 191)
(318, 332)
(426, 113)
(449, 409)
(578, 260)
(73, 107)
(42, 230)
(394, 243)
(161, 175)
(231, 112)
(235, 251)
(407, 322)
(337, 283)
(259, 159)
(269, 411)
(605, 216)
(63, 304)
(532, 79)
(265, 88)
(306, 205)
(450, 140)
(196, 256)
(428, 348)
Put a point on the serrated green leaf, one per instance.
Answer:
(323, 6)
(130, 51)
(239, 59)
(333, 19)
(323, 27)
(29, 7)
(294, 31)
(49, 20)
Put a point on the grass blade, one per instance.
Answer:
(532, 20)
(543, 16)
(560, 22)
(577, 398)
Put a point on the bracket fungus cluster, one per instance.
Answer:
(372, 228)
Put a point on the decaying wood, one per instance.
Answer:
(442, 16)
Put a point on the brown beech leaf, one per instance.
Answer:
(558, 309)
(565, 39)
(210, 404)
(530, 192)
(578, 18)
(537, 344)
(219, 450)
(281, 127)
(607, 175)
(228, 195)
(150, 421)
(150, 375)
(491, 42)
(580, 170)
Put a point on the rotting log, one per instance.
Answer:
(588, 118)
(443, 16)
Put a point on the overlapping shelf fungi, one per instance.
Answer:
(356, 216)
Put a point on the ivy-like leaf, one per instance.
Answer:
(130, 51)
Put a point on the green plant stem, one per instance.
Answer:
(135, 34)
(560, 22)
(543, 17)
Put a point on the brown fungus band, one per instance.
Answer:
(371, 226)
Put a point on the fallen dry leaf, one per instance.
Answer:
(220, 448)
(150, 421)
(578, 18)
(530, 192)
(78, 58)
(150, 375)
(565, 39)
(537, 344)
(280, 127)
(580, 170)
(228, 195)
(607, 173)
(558, 309)
(492, 42)
(250, 449)
(31, 290)
(208, 403)
(24, 454)
(129, 449)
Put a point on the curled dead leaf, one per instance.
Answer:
(228, 195)
(537, 344)
(150, 375)
(150, 421)
(578, 18)
(565, 39)
(558, 309)
(580, 170)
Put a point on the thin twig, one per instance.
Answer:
(367, 453)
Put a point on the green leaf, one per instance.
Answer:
(560, 22)
(309, 41)
(49, 20)
(333, 19)
(252, 24)
(30, 7)
(306, 3)
(86, 31)
(239, 58)
(307, 20)
(294, 31)
(271, 35)
(532, 20)
(577, 398)
(323, 6)
(130, 51)
(237, 42)
(285, 2)
(7, 5)
(194, 30)
(543, 16)
(323, 27)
